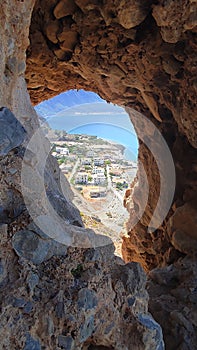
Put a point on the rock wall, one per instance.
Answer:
(138, 54)
(82, 299)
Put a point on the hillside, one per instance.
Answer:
(66, 100)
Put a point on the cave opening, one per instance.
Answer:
(96, 147)
(133, 53)
(84, 47)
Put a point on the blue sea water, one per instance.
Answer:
(101, 120)
(82, 112)
(113, 133)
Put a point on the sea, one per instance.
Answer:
(103, 120)
(111, 133)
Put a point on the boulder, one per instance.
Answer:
(64, 8)
(12, 133)
(184, 228)
(70, 40)
(51, 31)
(36, 248)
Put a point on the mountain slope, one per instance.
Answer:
(66, 100)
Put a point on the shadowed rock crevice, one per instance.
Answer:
(123, 52)
(138, 54)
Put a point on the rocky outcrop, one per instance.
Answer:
(12, 133)
(173, 293)
(79, 300)
(53, 295)
(139, 54)
(124, 52)
(148, 49)
(16, 161)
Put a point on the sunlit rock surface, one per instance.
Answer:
(137, 54)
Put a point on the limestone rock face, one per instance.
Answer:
(64, 8)
(173, 298)
(85, 299)
(175, 18)
(152, 47)
(138, 54)
(13, 161)
(31, 246)
(12, 133)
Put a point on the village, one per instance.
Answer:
(94, 166)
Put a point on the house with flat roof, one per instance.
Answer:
(62, 150)
(98, 161)
(86, 161)
(98, 170)
(81, 178)
(99, 179)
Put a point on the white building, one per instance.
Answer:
(62, 150)
(99, 179)
(97, 194)
(97, 170)
(86, 161)
(98, 161)
(82, 178)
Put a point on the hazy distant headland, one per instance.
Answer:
(86, 113)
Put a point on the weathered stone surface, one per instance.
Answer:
(3, 233)
(87, 5)
(87, 299)
(11, 201)
(3, 272)
(173, 300)
(156, 335)
(94, 304)
(66, 342)
(52, 30)
(31, 343)
(31, 246)
(64, 8)
(175, 18)
(12, 133)
(131, 13)
(182, 228)
(151, 68)
(70, 40)
(32, 281)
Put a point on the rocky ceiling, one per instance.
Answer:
(136, 53)
(139, 54)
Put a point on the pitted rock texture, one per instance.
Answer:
(12, 137)
(29, 245)
(55, 297)
(137, 54)
(161, 246)
(173, 301)
(86, 299)
(130, 52)
(13, 157)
